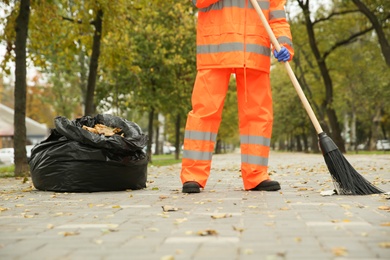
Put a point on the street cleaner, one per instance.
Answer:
(232, 40)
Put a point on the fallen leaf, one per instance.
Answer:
(328, 193)
(207, 232)
(239, 229)
(248, 251)
(180, 220)
(168, 257)
(167, 208)
(116, 206)
(67, 234)
(386, 224)
(163, 197)
(3, 209)
(387, 208)
(339, 251)
(384, 244)
(50, 226)
(218, 216)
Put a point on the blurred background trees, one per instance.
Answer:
(136, 60)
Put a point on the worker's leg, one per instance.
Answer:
(202, 124)
(256, 117)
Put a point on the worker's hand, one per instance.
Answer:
(282, 55)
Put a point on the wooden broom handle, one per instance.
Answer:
(290, 72)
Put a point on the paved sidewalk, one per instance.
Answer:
(222, 222)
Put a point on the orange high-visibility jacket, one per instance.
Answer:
(230, 33)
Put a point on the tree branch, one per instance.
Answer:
(334, 14)
(349, 40)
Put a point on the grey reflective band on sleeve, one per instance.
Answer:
(277, 14)
(285, 40)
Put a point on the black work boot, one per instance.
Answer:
(191, 187)
(267, 185)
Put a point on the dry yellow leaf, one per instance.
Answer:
(339, 251)
(384, 207)
(180, 220)
(116, 207)
(239, 229)
(218, 216)
(207, 232)
(67, 234)
(384, 244)
(386, 224)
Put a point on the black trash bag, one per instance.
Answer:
(73, 159)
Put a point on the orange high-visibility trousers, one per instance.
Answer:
(255, 124)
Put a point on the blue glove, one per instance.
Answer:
(282, 55)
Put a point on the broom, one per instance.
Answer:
(346, 179)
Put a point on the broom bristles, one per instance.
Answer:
(346, 179)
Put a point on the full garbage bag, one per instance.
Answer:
(73, 159)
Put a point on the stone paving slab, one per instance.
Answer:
(222, 222)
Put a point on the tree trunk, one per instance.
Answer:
(328, 101)
(93, 66)
(177, 137)
(157, 146)
(83, 78)
(218, 147)
(21, 28)
(385, 46)
(150, 133)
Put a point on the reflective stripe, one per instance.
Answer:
(277, 14)
(235, 46)
(196, 155)
(199, 135)
(253, 159)
(251, 139)
(224, 47)
(222, 4)
(232, 3)
(285, 40)
(264, 5)
(258, 49)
